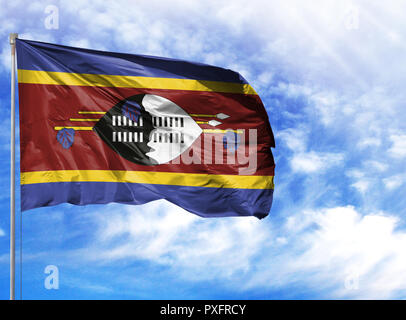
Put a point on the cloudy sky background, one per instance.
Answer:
(332, 76)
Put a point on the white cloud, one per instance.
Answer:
(362, 185)
(398, 148)
(316, 249)
(166, 234)
(5, 58)
(394, 182)
(362, 181)
(297, 141)
(327, 104)
(329, 246)
(294, 138)
(2, 233)
(369, 142)
(313, 162)
(379, 166)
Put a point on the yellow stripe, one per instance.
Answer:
(100, 80)
(202, 115)
(204, 130)
(91, 112)
(84, 119)
(221, 131)
(150, 177)
(75, 128)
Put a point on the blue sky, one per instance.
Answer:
(331, 75)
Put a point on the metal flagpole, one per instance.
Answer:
(13, 37)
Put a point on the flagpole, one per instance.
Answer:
(13, 37)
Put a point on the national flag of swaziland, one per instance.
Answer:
(99, 127)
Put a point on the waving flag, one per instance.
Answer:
(100, 127)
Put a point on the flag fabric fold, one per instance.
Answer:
(99, 127)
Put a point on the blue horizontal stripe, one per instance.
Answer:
(33, 55)
(205, 202)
